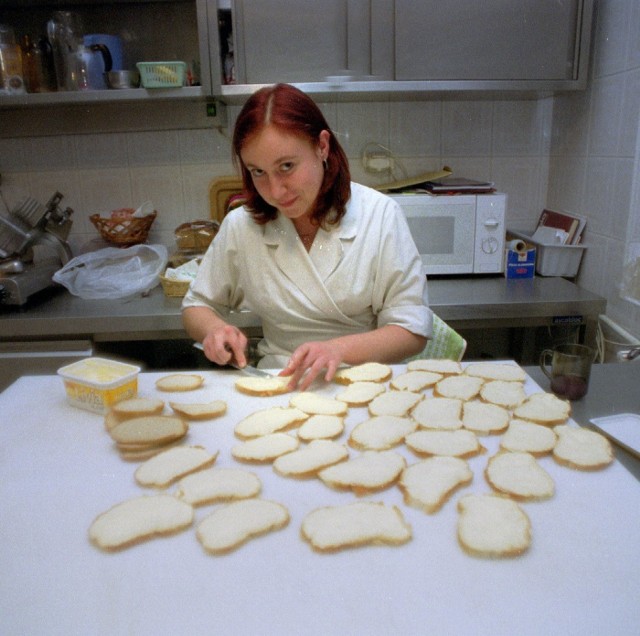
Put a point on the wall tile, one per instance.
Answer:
(101, 151)
(153, 148)
(517, 128)
(50, 153)
(358, 124)
(162, 185)
(611, 36)
(12, 156)
(606, 116)
(415, 128)
(203, 146)
(519, 178)
(570, 123)
(466, 128)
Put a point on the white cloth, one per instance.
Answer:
(364, 273)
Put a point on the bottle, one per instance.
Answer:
(31, 66)
(11, 80)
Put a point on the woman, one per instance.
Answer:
(328, 265)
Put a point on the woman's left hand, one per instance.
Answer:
(309, 360)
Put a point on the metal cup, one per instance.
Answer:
(570, 369)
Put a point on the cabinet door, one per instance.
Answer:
(301, 40)
(493, 40)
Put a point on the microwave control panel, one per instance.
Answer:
(490, 234)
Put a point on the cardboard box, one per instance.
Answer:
(520, 264)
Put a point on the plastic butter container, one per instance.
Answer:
(95, 384)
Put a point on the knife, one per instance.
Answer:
(247, 370)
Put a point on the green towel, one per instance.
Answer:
(444, 343)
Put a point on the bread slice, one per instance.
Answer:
(483, 418)
(369, 472)
(314, 404)
(520, 476)
(528, 437)
(457, 443)
(353, 525)
(496, 371)
(415, 381)
(202, 411)
(439, 365)
(264, 449)
(135, 407)
(262, 387)
(381, 432)
(582, 448)
(438, 413)
(398, 403)
(138, 454)
(269, 420)
(428, 484)
(360, 393)
(168, 466)
(233, 524)
(180, 382)
(218, 484)
(462, 387)
(367, 372)
(149, 430)
(503, 393)
(321, 427)
(492, 526)
(543, 408)
(307, 461)
(139, 519)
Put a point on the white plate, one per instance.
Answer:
(623, 429)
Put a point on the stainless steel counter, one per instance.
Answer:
(461, 302)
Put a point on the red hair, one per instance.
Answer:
(294, 112)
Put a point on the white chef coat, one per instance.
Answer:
(362, 274)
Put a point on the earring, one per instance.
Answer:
(325, 165)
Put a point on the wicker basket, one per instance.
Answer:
(176, 288)
(124, 231)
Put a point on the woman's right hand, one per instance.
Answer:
(226, 345)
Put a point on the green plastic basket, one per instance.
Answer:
(162, 74)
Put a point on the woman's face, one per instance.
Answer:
(286, 169)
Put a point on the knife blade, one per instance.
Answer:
(247, 370)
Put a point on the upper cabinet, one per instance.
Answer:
(372, 48)
(145, 31)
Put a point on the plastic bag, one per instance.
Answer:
(114, 272)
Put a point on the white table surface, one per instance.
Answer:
(59, 470)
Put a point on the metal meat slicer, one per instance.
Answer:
(33, 246)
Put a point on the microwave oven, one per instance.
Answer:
(457, 234)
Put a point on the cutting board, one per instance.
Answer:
(59, 470)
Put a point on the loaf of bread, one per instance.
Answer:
(360, 393)
(179, 382)
(428, 484)
(233, 524)
(264, 449)
(439, 365)
(461, 387)
(367, 372)
(483, 418)
(496, 371)
(353, 525)
(369, 472)
(262, 387)
(438, 413)
(503, 393)
(415, 380)
(520, 476)
(492, 526)
(218, 484)
(398, 403)
(314, 404)
(307, 461)
(381, 432)
(139, 519)
(528, 437)
(543, 408)
(168, 466)
(321, 427)
(582, 448)
(270, 420)
(201, 411)
(456, 443)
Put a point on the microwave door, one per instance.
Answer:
(444, 235)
